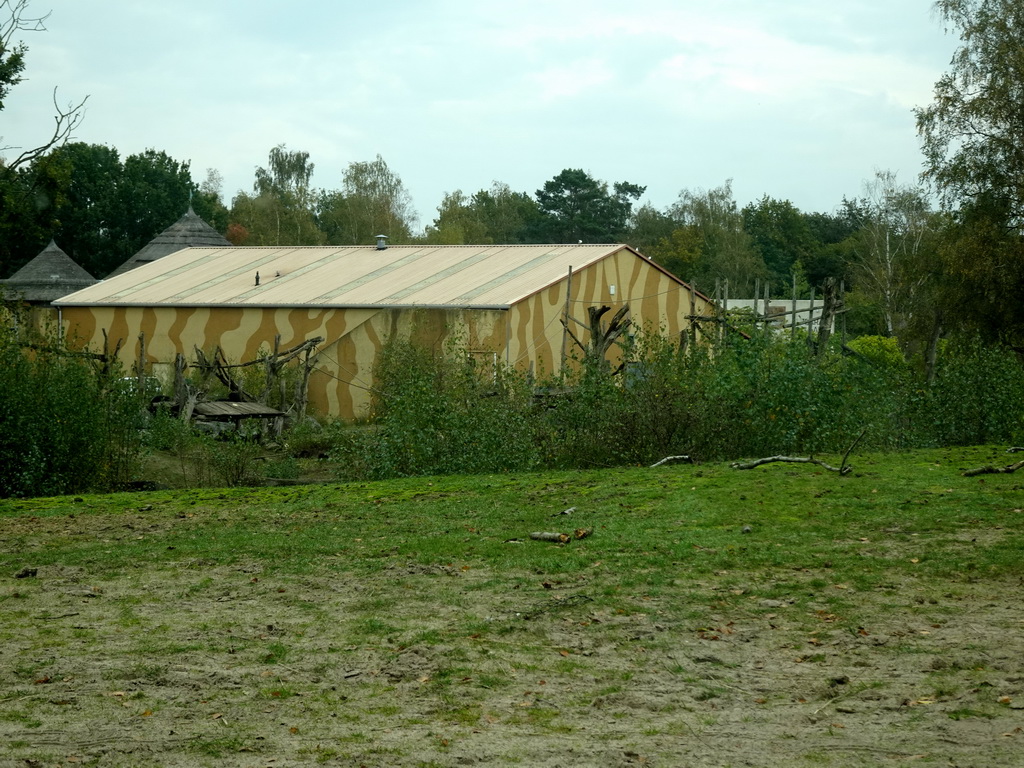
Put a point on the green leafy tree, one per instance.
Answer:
(495, 215)
(971, 132)
(983, 269)
(208, 202)
(102, 211)
(372, 201)
(724, 251)
(895, 253)
(831, 233)
(509, 216)
(575, 207)
(12, 55)
(781, 234)
(154, 191)
(681, 252)
(457, 222)
(648, 227)
(281, 209)
(971, 135)
(81, 211)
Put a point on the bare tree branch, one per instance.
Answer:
(66, 120)
(14, 18)
(17, 21)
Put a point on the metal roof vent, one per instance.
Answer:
(382, 242)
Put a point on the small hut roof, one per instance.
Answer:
(49, 276)
(190, 231)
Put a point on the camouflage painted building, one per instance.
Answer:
(503, 302)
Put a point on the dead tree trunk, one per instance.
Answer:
(601, 337)
(185, 395)
(302, 393)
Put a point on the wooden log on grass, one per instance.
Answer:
(554, 536)
(842, 469)
(990, 470)
(561, 538)
(791, 459)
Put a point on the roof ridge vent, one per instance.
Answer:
(382, 242)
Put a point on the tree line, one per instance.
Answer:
(914, 269)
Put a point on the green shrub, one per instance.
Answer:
(437, 413)
(308, 439)
(234, 460)
(65, 425)
(440, 413)
(977, 397)
(281, 468)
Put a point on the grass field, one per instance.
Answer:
(781, 616)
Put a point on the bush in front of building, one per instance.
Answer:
(66, 425)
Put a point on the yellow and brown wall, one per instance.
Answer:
(527, 335)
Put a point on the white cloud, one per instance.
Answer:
(801, 96)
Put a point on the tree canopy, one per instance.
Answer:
(973, 131)
(972, 135)
(575, 207)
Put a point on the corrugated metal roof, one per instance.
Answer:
(344, 276)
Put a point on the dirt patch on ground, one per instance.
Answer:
(201, 663)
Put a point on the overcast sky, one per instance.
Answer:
(796, 99)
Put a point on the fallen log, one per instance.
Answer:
(991, 470)
(793, 460)
(842, 469)
(561, 538)
(671, 458)
(558, 538)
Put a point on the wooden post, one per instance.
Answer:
(565, 325)
(792, 329)
(142, 364)
(766, 303)
(842, 306)
(179, 381)
(725, 306)
(302, 395)
(271, 371)
(757, 300)
(693, 312)
(810, 320)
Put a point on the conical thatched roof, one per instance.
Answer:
(49, 276)
(190, 231)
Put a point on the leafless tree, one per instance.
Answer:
(15, 18)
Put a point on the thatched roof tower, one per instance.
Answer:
(49, 276)
(190, 231)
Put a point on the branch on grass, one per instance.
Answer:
(561, 538)
(791, 460)
(842, 469)
(990, 470)
(671, 458)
